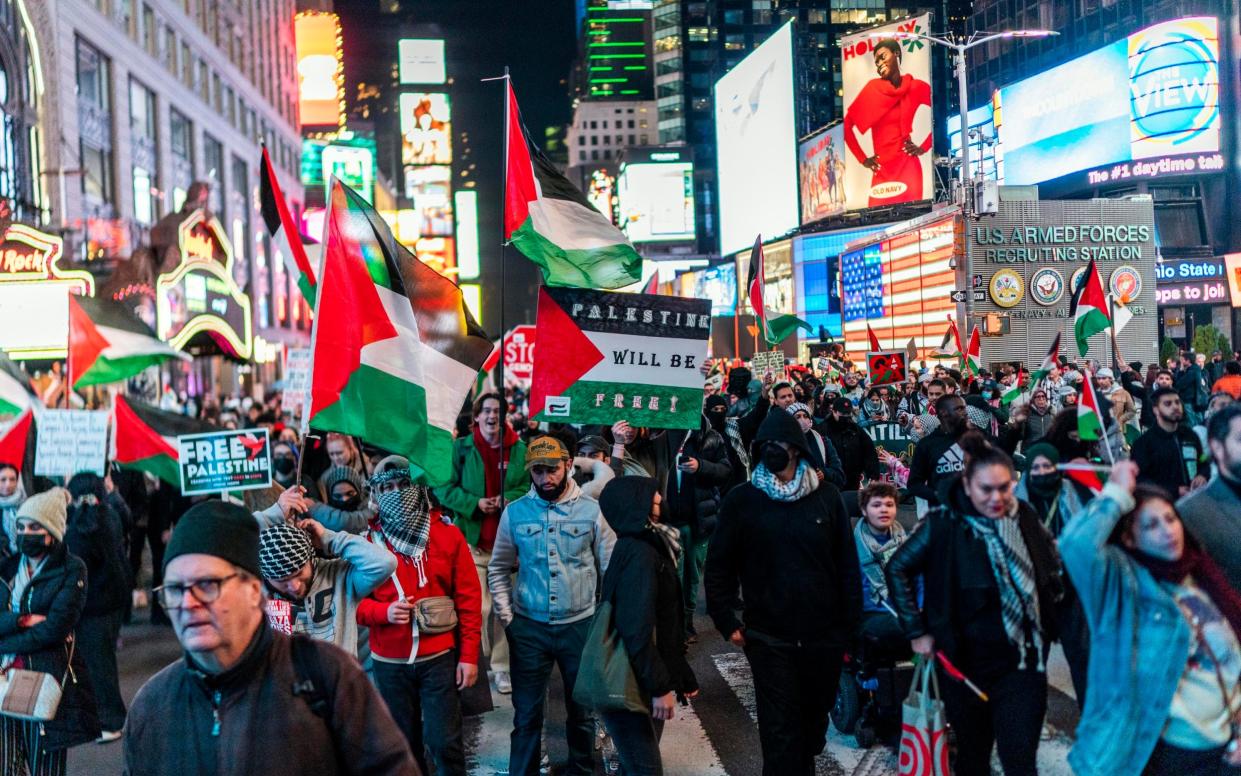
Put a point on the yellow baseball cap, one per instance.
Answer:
(546, 451)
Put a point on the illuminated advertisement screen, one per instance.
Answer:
(601, 193)
(354, 166)
(756, 144)
(438, 254)
(319, 70)
(426, 128)
(430, 190)
(821, 174)
(1142, 107)
(719, 284)
(887, 124)
(656, 201)
(466, 202)
(421, 61)
(986, 159)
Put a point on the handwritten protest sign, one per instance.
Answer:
(70, 441)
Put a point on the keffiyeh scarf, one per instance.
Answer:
(405, 517)
(1014, 575)
(671, 538)
(873, 555)
(804, 482)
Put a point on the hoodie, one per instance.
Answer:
(642, 584)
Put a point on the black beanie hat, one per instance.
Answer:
(217, 528)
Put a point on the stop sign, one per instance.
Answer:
(518, 352)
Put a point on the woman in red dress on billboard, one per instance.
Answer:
(886, 107)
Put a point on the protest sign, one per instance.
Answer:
(886, 367)
(224, 461)
(296, 381)
(766, 361)
(893, 438)
(606, 356)
(70, 441)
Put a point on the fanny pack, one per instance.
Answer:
(435, 614)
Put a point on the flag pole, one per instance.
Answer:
(309, 403)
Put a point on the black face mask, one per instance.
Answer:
(553, 493)
(776, 458)
(347, 503)
(716, 419)
(1045, 483)
(283, 464)
(32, 545)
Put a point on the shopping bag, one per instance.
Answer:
(924, 736)
(605, 680)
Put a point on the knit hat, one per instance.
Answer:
(797, 407)
(48, 509)
(220, 529)
(338, 474)
(1042, 450)
(283, 550)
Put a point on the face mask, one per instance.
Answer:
(32, 545)
(552, 493)
(283, 465)
(776, 458)
(1045, 483)
(397, 503)
(348, 504)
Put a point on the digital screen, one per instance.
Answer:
(1142, 107)
(354, 166)
(468, 264)
(421, 61)
(437, 253)
(601, 193)
(719, 284)
(756, 145)
(861, 283)
(430, 191)
(35, 316)
(887, 121)
(426, 128)
(657, 201)
(319, 70)
(821, 172)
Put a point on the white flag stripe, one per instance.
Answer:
(123, 344)
(655, 350)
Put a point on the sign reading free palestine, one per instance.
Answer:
(605, 356)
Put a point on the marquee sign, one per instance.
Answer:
(200, 294)
(34, 310)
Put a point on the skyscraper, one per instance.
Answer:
(614, 58)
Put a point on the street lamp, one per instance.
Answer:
(959, 48)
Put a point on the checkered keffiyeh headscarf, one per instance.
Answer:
(283, 550)
(404, 513)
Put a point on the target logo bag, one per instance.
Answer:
(924, 735)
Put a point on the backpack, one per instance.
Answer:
(311, 685)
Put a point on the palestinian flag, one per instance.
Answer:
(652, 285)
(145, 438)
(1050, 361)
(1015, 392)
(776, 327)
(552, 222)
(15, 438)
(874, 340)
(604, 356)
(1089, 416)
(394, 350)
(107, 343)
(973, 356)
(947, 348)
(15, 393)
(1088, 308)
(285, 236)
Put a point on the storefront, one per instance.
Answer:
(1190, 293)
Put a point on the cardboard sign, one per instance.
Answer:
(886, 367)
(70, 441)
(605, 356)
(767, 361)
(296, 381)
(280, 615)
(893, 438)
(224, 461)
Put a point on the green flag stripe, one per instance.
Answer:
(112, 370)
(610, 266)
(781, 327)
(585, 394)
(160, 466)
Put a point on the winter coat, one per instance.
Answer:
(961, 602)
(58, 592)
(1160, 456)
(937, 458)
(1213, 515)
(645, 590)
(1191, 386)
(247, 719)
(694, 498)
(95, 535)
(447, 570)
(855, 448)
(469, 484)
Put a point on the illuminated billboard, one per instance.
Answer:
(656, 201)
(200, 297)
(601, 192)
(756, 143)
(1142, 107)
(719, 284)
(986, 159)
(821, 173)
(320, 72)
(438, 254)
(468, 263)
(34, 293)
(426, 128)
(421, 61)
(887, 124)
(354, 166)
(430, 191)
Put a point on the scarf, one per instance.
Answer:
(492, 457)
(8, 515)
(405, 517)
(804, 482)
(671, 539)
(1014, 575)
(1196, 563)
(733, 432)
(873, 555)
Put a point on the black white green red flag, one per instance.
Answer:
(1088, 308)
(108, 343)
(1089, 416)
(144, 438)
(285, 236)
(15, 391)
(15, 438)
(776, 327)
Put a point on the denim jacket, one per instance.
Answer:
(1139, 644)
(558, 550)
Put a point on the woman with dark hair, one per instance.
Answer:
(1164, 657)
(94, 533)
(991, 583)
(12, 494)
(1064, 437)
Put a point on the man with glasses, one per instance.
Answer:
(198, 715)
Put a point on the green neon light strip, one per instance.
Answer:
(603, 67)
(629, 91)
(608, 80)
(626, 19)
(635, 67)
(618, 56)
(626, 43)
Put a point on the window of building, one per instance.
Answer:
(581, 156)
(1179, 221)
(734, 43)
(94, 100)
(633, 139)
(734, 17)
(150, 41)
(239, 209)
(213, 171)
(816, 16)
(181, 142)
(594, 125)
(594, 156)
(699, 34)
(127, 18)
(143, 151)
(8, 141)
(607, 140)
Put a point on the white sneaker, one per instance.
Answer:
(504, 685)
(108, 736)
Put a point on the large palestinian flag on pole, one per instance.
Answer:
(145, 438)
(394, 350)
(776, 327)
(285, 236)
(973, 353)
(552, 222)
(1088, 308)
(108, 343)
(1050, 361)
(606, 356)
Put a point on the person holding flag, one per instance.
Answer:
(775, 327)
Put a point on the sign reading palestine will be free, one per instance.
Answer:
(606, 356)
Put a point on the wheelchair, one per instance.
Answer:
(874, 681)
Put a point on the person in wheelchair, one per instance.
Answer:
(878, 535)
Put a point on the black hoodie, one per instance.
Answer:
(642, 584)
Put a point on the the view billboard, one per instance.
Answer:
(887, 124)
(421, 61)
(756, 145)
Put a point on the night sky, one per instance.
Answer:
(536, 40)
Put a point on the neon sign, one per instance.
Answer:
(34, 311)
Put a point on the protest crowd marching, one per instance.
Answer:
(350, 575)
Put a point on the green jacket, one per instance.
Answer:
(469, 485)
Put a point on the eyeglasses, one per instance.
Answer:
(205, 591)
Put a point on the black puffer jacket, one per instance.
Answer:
(856, 449)
(57, 592)
(645, 591)
(695, 499)
(95, 534)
